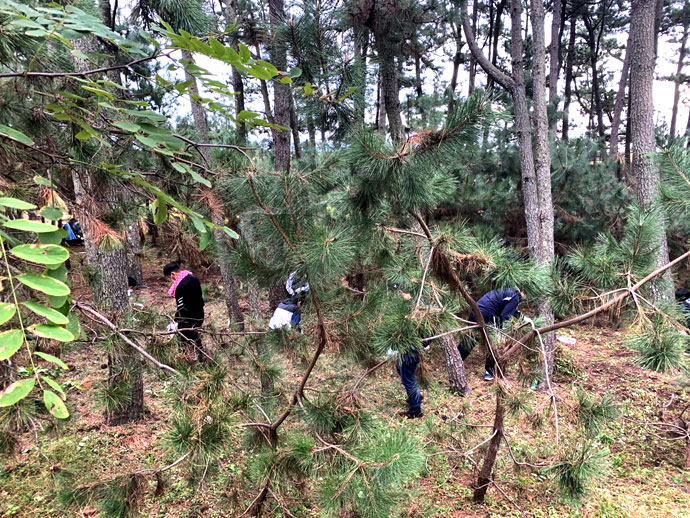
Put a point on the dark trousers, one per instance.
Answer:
(191, 339)
(465, 351)
(406, 368)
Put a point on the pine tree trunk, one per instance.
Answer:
(455, 367)
(473, 60)
(645, 173)
(133, 250)
(543, 247)
(555, 53)
(569, 62)
(107, 262)
(677, 78)
(618, 108)
(215, 207)
(484, 477)
(380, 108)
(361, 38)
(281, 93)
(231, 15)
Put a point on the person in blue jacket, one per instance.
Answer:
(496, 307)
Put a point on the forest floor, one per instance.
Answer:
(645, 478)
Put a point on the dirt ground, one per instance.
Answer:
(646, 476)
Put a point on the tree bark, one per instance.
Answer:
(543, 244)
(281, 92)
(555, 54)
(107, 260)
(133, 250)
(484, 477)
(645, 173)
(569, 62)
(455, 367)
(473, 60)
(215, 207)
(677, 78)
(380, 108)
(618, 108)
(231, 14)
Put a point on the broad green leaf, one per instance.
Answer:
(198, 224)
(51, 238)
(51, 213)
(183, 86)
(6, 131)
(52, 359)
(246, 114)
(54, 316)
(7, 311)
(200, 179)
(57, 302)
(14, 203)
(308, 90)
(205, 240)
(295, 72)
(44, 284)
(285, 80)
(39, 180)
(16, 391)
(74, 327)
(231, 233)
(59, 273)
(52, 332)
(83, 135)
(29, 226)
(10, 342)
(160, 211)
(54, 385)
(98, 91)
(55, 405)
(41, 254)
(157, 117)
(127, 126)
(244, 52)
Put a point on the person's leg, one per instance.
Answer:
(464, 349)
(409, 381)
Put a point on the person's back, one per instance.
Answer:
(189, 297)
(498, 306)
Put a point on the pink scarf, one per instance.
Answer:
(177, 281)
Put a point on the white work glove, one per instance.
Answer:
(172, 326)
(528, 319)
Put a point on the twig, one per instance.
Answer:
(426, 270)
(372, 369)
(85, 72)
(400, 231)
(124, 337)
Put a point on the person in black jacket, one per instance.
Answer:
(683, 300)
(186, 289)
(496, 307)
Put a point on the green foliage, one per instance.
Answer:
(674, 166)
(592, 415)
(578, 467)
(372, 486)
(659, 346)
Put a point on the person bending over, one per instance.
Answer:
(186, 290)
(287, 314)
(496, 307)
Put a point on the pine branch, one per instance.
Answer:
(124, 337)
(85, 72)
(510, 352)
